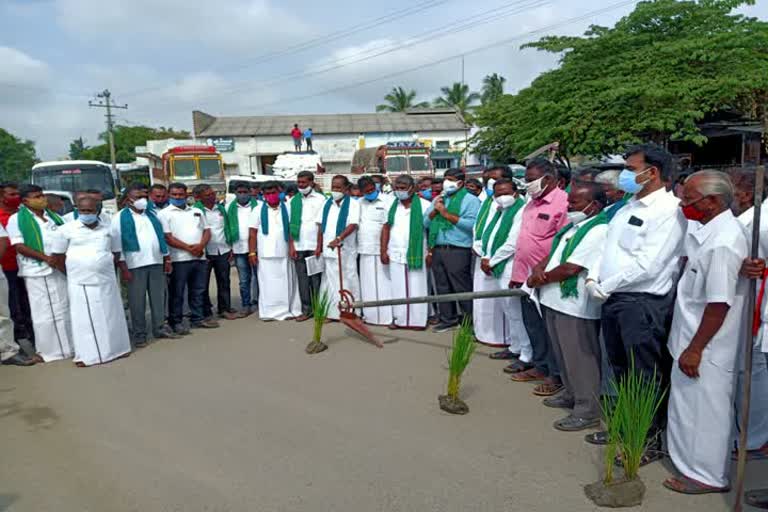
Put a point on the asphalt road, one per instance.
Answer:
(240, 419)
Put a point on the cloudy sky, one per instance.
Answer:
(165, 58)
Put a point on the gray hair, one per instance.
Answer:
(405, 179)
(714, 183)
(608, 178)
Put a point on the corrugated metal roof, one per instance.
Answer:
(416, 121)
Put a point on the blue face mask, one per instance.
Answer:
(372, 196)
(427, 194)
(179, 203)
(282, 196)
(627, 181)
(356, 198)
(89, 218)
(378, 187)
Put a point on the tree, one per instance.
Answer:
(658, 72)
(459, 97)
(400, 100)
(493, 88)
(126, 140)
(77, 148)
(16, 157)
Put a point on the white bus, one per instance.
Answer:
(76, 175)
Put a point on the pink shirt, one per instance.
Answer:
(542, 219)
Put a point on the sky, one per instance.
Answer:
(166, 58)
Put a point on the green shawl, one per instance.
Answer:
(440, 223)
(234, 220)
(507, 218)
(415, 255)
(482, 216)
(30, 229)
(568, 287)
(297, 208)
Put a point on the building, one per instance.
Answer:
(249, 145)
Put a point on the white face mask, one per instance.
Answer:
(576, 217)
(504, 202)
(337, 196)
(140, 204)
(449, 187)
(535, 188)
(402, 195)
(305, 191)
(489, 186)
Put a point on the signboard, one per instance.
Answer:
(223, 145)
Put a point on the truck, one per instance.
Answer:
(394, 158)
(72, 176)
(188, 164)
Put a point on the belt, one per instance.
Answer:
(452, 247)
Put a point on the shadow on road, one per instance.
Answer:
(36, 417)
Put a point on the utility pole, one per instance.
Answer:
(105, 101)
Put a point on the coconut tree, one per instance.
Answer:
(493, 88)
(400, 100)
(459, 97)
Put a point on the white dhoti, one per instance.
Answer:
(375, 285)
(407, 283)
(98, 321)
(699, 430)
(279, 298)
(488, 314)
(8, 346)
(49, 307)
(757, 428)
(330, 281)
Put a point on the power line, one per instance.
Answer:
(31, 88)
(105, 101)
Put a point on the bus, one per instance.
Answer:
(192, 165)
(75, 175)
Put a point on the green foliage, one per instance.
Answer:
(493, 88)
(126, 140)
(16, 157)
(321, 304)
(400, 100)
(459, 97)
(76, 149)
(461, 355)
(658, 72)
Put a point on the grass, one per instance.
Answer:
(320, 306)
(461, 353)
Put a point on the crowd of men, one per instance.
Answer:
(620, 275)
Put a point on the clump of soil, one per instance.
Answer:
(315, 347)
(453, 405)
(625, 493)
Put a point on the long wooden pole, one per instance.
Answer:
(748, 346)
(448, 297)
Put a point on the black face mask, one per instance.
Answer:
(161, 205)
(243, 199)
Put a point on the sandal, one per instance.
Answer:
(757, 498)
(504, 354)
(518, 366)
(547, 389)
(685, 485)
(530, 375)
(648, 457)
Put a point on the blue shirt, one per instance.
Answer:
(307, 134)
(460, 234)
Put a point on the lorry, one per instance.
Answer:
(189, 164)
(394, 158)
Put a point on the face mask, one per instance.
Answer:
(305, 191)
(450, 187)
(337, 196)
(504, 201)
(179, 203)
(38, 203)
(160, 205)
(372, 196)
(378, 187)
(692, 213)
(281, 195)
(140, 204)
(578, 216)
(89, 218)
(272, 199)
(489, 186)
(13, 202)
(402, 195)
(628, 181)
(427, 194)
(243, 199)
(535, 188)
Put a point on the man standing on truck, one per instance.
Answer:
(308, 138)
(296, 135)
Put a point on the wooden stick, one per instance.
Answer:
(448, 297)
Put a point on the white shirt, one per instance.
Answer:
(30, 267)
(373, 216)
(90, 259)
(400, 232)
(349, 244)
(507, 249)
(586, 255)
(272, 245)
(311, 209)
(218, 243)
(643, 245)
(246, 219)
(746, 219)
(715, 253)
(185, 225)
(149, 246)
(104, 217)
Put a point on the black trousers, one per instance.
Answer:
(452, 268)
(188, 276)
(308, 140)
(637, 325)
(219, 266)
(543, 355)
(307, 284)
(18, 303)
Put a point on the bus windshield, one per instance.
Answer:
(74, 179)
(209, 168)
(184, 169)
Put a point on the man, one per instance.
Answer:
(704, 341)
(144, 263)
(543, 216)
(270, 246)
(296, 136)
(403, 250)
(305, 208)
(158, 196)
(436, 188)
(34, 233)
(475, 187)
(10, 353)
(354, 192)
(616, 197)
(187, 234)
(55, 203)
(450, 219)
(563, 177)
(18, 302)
(374, 212)
(218, 252)
(96, 310)
(571, 314)
(636, 274)
(308, 138)
(241, 219)
(425, 188)
(104, 217)
(338, 221)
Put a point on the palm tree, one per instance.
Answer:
(459, 97)
(493, 88)
(400, 100)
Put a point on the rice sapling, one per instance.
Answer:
(461, 353)
(320, 306)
